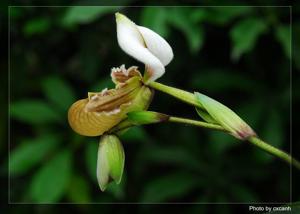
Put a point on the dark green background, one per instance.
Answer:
(237, 55)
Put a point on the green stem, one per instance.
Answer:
(196, 123)
(254, 140)
(127, 124)
(190, 98)
(274, 151)
(182, 95)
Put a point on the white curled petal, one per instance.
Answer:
(157, 45)
(131, 41)
(127, 29)
(142, 54)
(129, 37)
(155, 69)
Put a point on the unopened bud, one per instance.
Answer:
(146, 117)
(110, 162)
(225, 117)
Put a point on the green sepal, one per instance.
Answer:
(225, 117)
(146, 117)
(110, 162)
(205, 116)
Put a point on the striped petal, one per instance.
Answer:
(101, 111)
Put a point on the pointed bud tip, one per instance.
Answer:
(102, 187)
(245, 132)
(120, 17)
(110, 161)
(225, 117)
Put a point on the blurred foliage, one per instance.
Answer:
(245, 34)
(238, 55)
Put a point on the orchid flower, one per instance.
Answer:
(110, 112)
(101, 111)
(144, 45)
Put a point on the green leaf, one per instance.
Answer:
(194, 33)
(243, 194)
(59, 92)
(89, 58)
(30, 152)
(16, 12)
(283, 35)
(85, 14)
(244, 36)
(224, 15)
(253, 111)
(296, 45)
(51, 181)
(198, 14)
(174, 155)
(102, 84)
(220, 142)
(91, 151)
(36, 26)
(168, 187)
(33, 112)
(79, 191)
(157, 22)
(220, 80)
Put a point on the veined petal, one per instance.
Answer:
(131, 41)
(102, 111)
(157, 45)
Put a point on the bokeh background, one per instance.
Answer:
(238, 55)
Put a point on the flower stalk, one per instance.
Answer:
(135, 119)
(274, 151)
(196, 123)
(190, 99)
(109, 113)
(182, 95)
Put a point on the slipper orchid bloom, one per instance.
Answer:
(144, 45)
(101, 111)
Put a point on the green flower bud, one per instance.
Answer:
(110, 162)
(221, 114)
(146, 117)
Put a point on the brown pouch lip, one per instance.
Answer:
(109, 100)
